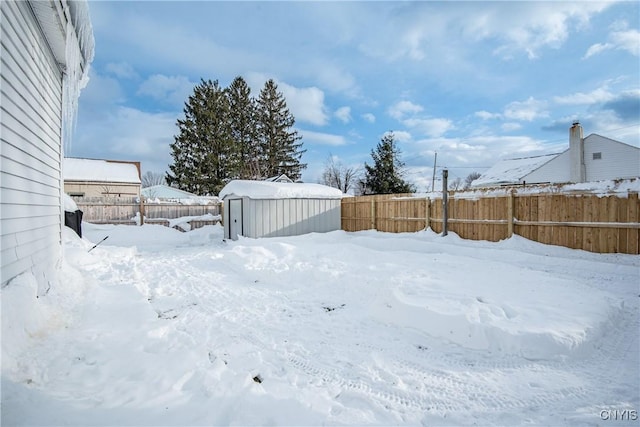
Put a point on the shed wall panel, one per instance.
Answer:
(288, 217)
(31, 144)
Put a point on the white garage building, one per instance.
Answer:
(268, 209)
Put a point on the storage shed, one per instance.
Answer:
(268, 209)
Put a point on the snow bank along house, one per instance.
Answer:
(101, 178)
(267, 209)
(594, 158)
(46, 50)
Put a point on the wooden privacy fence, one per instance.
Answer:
(123, 210)
(596, 223)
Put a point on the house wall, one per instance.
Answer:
(30, 129)
(617, 160)
(102, 189)
(557, 170)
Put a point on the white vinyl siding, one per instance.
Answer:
(557, 170)
(617, 160)
(30, 155)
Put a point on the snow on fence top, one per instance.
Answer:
(279, 190)
(100, 171)
(605, 188)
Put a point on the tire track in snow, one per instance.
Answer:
(443, 386)
(371, 391)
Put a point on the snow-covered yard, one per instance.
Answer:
(159, 327)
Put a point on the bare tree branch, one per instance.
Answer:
(337, 175)
(149, 179)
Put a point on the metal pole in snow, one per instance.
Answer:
(433, 179)
(96, 245)
(445, 204)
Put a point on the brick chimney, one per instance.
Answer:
(576, 153)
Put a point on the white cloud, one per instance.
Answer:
(334, 78)
(122, 70)
(413, 39)
(607, 123)
(531, 26)
(420, 30)
(628, 40)
(343, 114)
(401, 109)
(306, 104)
(369, 117)
(408, 113)
(510, 127)
(433, 128)
(128, 134)
(174, 90)
(402, 136)
(485, 115)
(526, 110)
(475, 152)
(322, 138)
(598, 95)
(100, 90)
(597, 48)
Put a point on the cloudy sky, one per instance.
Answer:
(473, 81)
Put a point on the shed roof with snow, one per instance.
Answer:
(92, 170)
(279, 190)
(267, 209)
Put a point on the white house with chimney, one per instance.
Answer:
(594, 158)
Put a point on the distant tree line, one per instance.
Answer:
(384, 176)
(227, 134)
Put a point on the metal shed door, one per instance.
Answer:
(235, 218)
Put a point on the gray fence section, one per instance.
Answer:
(122, 210)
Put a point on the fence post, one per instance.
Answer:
(373, 213)
(445, 207)
(141, 210)
(510, 213)
(426, 215)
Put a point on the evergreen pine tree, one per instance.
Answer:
(385, 175)
(201, 151)
(280, 150)
(245, 161)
